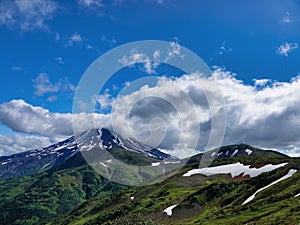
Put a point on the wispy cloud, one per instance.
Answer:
(91, 3)
(59, 60)
(111, 41)
(57, 36)
(20, 143)
(95, 7)
(287, 18)
(224, 49)
(74, 38)
(151, 62)
(43, 86)
(138, 57)
(16, 68)
(287, 48)
(27, 15)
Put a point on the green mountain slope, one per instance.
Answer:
(72, 193)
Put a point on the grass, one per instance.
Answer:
(78, 195)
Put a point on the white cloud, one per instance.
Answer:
(57, 36)
(266, 117)
(287, 48)
(224, 49)
(16, 68)
(43, 85)
(111, 41)
(91, 3)
(151, 62)
(138, 57)
(105, 101)
(287, 18)
(23, 117)
(27, 15)
(19, 143)
(175, 49)
(261, 82)
(59, 60)
(91, 7)
(73, 39)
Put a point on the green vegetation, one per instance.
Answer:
(73, 193)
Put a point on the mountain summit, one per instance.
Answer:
(40, 159)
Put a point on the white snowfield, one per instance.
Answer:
(234, 169)
(235, 152)
(288, 175)
(297, 195)
(155, 164)
(169, 210)
(103, 164)
(248, 151)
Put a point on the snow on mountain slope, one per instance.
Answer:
(169, 210)
(33, 161)
(288, 175)
(234, 169)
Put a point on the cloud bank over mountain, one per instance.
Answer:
(265, 114)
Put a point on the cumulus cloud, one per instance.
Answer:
(175, 108)
(287, 48)
(19, 143)
(267, 117)
(27, 15)
(43, 85)
(23, 117)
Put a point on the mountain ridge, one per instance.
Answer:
(73, 193)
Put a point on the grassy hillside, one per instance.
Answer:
(73, 193)
(201, 200)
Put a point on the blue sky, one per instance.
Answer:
(46, 46)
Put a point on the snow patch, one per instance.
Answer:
(155, 164)
(4, 163)
(59, 148)
(288, 175)
(169, 210)
(235, 152)
(297, 195)
(132, 197)
(248, 151)
(103, 164)
(46, 165)
(213, 154)
(234, 169)
(170, 162)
